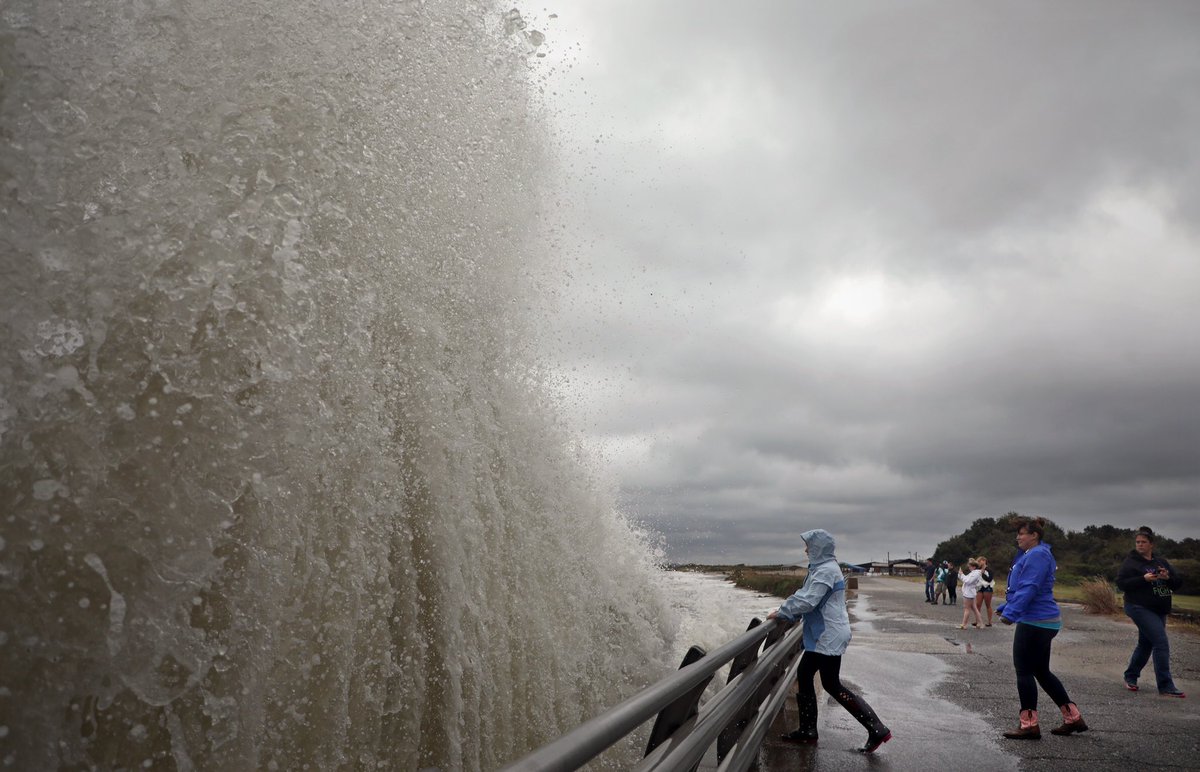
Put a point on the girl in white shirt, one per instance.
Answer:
(986, 589)
(970, 586)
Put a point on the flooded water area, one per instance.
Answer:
(903, 671)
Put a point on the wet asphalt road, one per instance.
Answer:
(947, 694)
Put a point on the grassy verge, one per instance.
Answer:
(1070, 592)
(766, 582)
(781, 585)
(1073, 593)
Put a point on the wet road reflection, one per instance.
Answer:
(897, 675)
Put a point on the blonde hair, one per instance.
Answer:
(972, 563)
(981, 559)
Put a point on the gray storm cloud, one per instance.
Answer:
(882, 269)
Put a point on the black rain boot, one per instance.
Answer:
(807, 733)
(877, 733)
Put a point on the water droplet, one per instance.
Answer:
(58, 338)
(44, 490)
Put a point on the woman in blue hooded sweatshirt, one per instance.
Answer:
(821, 602)
(1030, 605)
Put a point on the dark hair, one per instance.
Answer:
(1035, 525)
(1145, 531)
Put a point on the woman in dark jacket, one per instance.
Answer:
(1148, 583)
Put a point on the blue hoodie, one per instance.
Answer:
(822, 599)
(1030, 596)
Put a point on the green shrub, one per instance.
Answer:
(1070, 575)
(1189, 569)
(767, 583)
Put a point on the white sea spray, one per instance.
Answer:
(282, 485)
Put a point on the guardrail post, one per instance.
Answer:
(686, 706)
(747, 657)
(730, 734)
(773, 636)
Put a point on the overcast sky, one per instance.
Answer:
(882, 268)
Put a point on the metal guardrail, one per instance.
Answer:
(736, 718)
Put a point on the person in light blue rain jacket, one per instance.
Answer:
(821, 604)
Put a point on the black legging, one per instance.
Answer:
(830, 669)
(1031, 658)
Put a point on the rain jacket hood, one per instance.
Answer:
(820, 546)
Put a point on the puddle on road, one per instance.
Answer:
(900, 686)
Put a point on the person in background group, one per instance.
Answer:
(951, 583)
(1148, 582)
(1031, 606)
(987, 588)
(971, 581)
(939, 589)
(930, 573)
(822, 604)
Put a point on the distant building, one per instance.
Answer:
(902, 567)
(905, 567)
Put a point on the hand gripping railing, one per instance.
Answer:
(737, 717)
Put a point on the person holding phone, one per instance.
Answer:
(970, 583)
(1148, 582)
